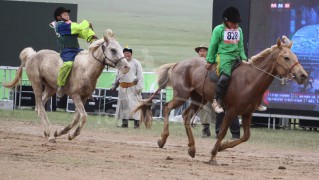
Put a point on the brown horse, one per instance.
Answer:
(189, 79)
(42, 69)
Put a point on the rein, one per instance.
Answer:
(283, 81)
(194, 123)
(104, 62)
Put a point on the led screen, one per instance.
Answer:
(299, 21)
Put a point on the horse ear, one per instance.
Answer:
(278, 43)
(106, 39)
(290, 44)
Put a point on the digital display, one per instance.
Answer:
(299, 21)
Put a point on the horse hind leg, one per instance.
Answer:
(47, 94)
(187, 116)
(174, 103)
(37, 88)
(79, 103)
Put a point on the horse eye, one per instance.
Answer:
(287, 59)
(113, 51)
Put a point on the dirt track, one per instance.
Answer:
(95, 154)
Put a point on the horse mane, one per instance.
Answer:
(96, 44)
(267, 51)
(108, 34)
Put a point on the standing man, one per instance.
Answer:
(131, 86)
(206, 115)
(68, 33)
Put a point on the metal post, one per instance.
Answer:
(4, 81)
(269, 122)
(161, 104)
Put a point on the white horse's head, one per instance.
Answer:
(111, 53)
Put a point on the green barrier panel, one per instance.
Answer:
(105, 81)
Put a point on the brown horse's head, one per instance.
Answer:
(288, 64)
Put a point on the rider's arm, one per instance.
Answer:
(83, 30)
(241, 46)
(213, 47)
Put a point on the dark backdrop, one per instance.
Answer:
(26, 24)
(242, 5)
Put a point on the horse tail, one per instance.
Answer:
(146, 105)
(24, 56)
(163, 72)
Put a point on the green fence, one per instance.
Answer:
(105, 81)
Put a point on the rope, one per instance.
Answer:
(283, 81)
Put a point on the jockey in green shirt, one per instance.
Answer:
(226, 47)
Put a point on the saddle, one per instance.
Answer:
(214, 76)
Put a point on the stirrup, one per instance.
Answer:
(261, 108)
(217, 107)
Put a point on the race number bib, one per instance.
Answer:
(231, 36)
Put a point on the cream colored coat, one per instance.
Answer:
(129, 98)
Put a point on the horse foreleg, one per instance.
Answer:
(66, 129)
(167, 109)
(246, 126)
(222, 133)
(79, 103)
(187, 116)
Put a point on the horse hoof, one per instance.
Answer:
(70, 137)
(212, 162)
(160, 143)
(192, 152)
(52, 140)
(46, 134)
(56, 134)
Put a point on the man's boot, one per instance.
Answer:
(205, 131)
(136, 124)
(124, 123)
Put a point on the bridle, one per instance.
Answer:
(282, 80)
(105, 59)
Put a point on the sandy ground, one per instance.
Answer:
(96, 154)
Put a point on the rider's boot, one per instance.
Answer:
(221, 89)
(261, 108)
(59, 92)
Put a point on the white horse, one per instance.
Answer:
(42, 69)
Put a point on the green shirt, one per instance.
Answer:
(225, 46)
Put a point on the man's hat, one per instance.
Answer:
(59, 11)
(204, 46)
(127, 49)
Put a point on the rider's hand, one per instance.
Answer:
(245, 61)
(208, 66)
(91, 26)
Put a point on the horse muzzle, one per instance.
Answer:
(301, 78)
